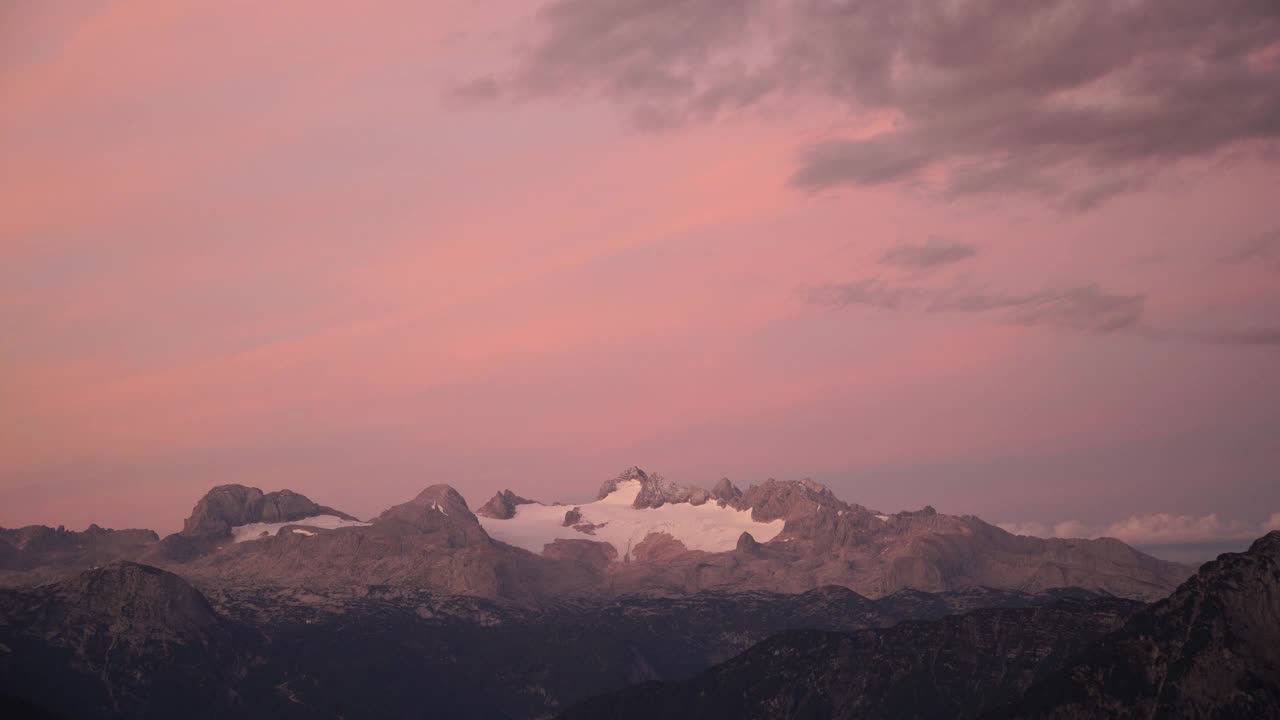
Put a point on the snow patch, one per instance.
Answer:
(253, 531)
(882, 518)
(707, 527)
(300, 531)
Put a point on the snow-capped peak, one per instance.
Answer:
(621, 520)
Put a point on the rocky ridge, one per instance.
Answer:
(228, 506)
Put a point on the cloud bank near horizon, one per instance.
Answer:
(1153, 529)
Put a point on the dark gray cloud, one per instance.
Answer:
(933, 253)
(1084, 308)
(1072, 100)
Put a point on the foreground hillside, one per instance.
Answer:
(1210, 650)
(128, 640)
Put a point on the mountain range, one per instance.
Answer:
(642, 535)
(654, 599)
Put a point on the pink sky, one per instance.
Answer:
(356, 254)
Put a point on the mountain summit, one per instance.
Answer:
(230, 512)
(652, 491)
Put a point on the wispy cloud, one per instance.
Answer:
(1084, 308)
(933, 253)
(1081, 308)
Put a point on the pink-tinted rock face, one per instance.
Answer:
(657, 547)
(227, 506)
(655, 490)
(502, 506)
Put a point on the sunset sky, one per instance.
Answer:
(1020, 260)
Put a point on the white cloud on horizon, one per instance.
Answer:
(1152, 529)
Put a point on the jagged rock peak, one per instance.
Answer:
(726, 492)
(787, 498)
(438, 510)
(747, 544)
(502, 506)
(632, 473)
(655, 490)
(443, 498)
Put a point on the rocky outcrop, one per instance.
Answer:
(726, 493)
(655, 490)
(657, 547)
(597, 555)
(788, 500)
(502, 506)
(228, 506)
(572, 517)
(438, 515)
(1209, 650)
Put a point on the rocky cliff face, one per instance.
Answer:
(228, 506)
(502, 506)
(1210, 650)
(655, 490)
(439, 516)
(725, 492)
